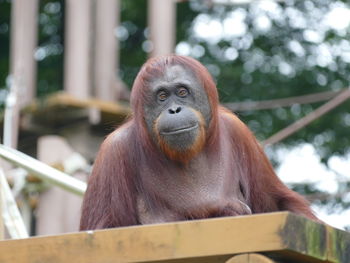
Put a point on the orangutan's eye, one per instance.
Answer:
(162, 95)
(182, 92)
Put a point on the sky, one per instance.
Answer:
(302, 164)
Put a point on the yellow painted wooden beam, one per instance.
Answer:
(282, 234)
(64, 99)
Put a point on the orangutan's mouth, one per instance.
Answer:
(179, 130)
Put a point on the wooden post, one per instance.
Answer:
(77, 48)
(162, 23)
(23, 43)
(22, 65)
(106, 55)
(58, 211)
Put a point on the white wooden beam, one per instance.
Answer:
(10, 212)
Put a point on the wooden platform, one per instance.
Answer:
(283, 237)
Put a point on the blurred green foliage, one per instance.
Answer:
(288, 57)
(5, 13)
(132, 33)
(49, 53)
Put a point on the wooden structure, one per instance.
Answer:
(91, 46)
(68, 116)
(280, 237)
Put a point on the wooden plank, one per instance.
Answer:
(285, 234)
(65, 99)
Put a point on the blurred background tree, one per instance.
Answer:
(259, 51)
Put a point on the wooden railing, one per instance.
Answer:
(275, 237)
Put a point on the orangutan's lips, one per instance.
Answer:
(179, 130)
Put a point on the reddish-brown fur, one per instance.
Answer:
(111, 199)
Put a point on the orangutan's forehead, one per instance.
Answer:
(174, 74)
(177, 72)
